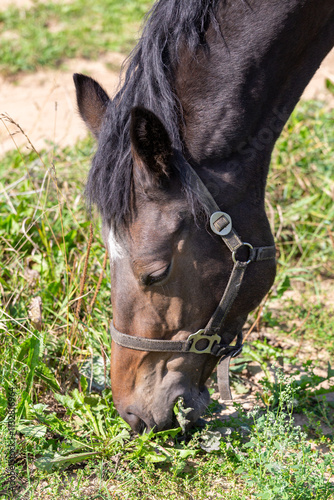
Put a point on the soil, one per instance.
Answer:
(246, 389)
(44, 105)
(26, 4)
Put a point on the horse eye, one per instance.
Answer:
(156, 277)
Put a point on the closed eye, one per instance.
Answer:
(156, 276)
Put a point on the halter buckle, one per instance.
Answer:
(226, 229)
(200, 335)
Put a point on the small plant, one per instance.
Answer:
(304, 385)
(277, 462)
(181, 413)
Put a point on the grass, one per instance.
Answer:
(70, 442)
(300, 188)
(49, 33)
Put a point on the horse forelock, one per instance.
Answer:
(148, 81)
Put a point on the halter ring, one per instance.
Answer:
(234, 253)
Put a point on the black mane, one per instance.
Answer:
(147, 82)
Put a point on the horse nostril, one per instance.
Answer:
(136, 423)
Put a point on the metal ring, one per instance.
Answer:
(234, 252)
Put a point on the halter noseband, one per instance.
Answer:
(210, 336)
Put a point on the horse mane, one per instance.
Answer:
(148, 81)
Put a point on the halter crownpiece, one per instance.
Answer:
(209, 339)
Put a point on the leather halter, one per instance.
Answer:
(209, 340)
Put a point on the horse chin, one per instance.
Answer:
(162, 416)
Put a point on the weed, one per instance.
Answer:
(277, 461)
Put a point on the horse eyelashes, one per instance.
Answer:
(151, 279)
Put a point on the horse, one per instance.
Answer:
(179, 179)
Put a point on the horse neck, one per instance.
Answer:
(238, 92)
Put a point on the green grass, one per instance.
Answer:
(49, 33)
(300, 190)
(72, 438)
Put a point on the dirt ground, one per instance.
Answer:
(44, 105)
(23, 3)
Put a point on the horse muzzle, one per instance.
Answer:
(161, 416)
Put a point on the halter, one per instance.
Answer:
(209, 340)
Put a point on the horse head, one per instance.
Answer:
(168, 273)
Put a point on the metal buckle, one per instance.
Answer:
(228, 350)
(234, 253)
(195, 337)
(227, 229)
(237, 352)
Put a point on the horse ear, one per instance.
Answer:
(150, 143)
(92, 102)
